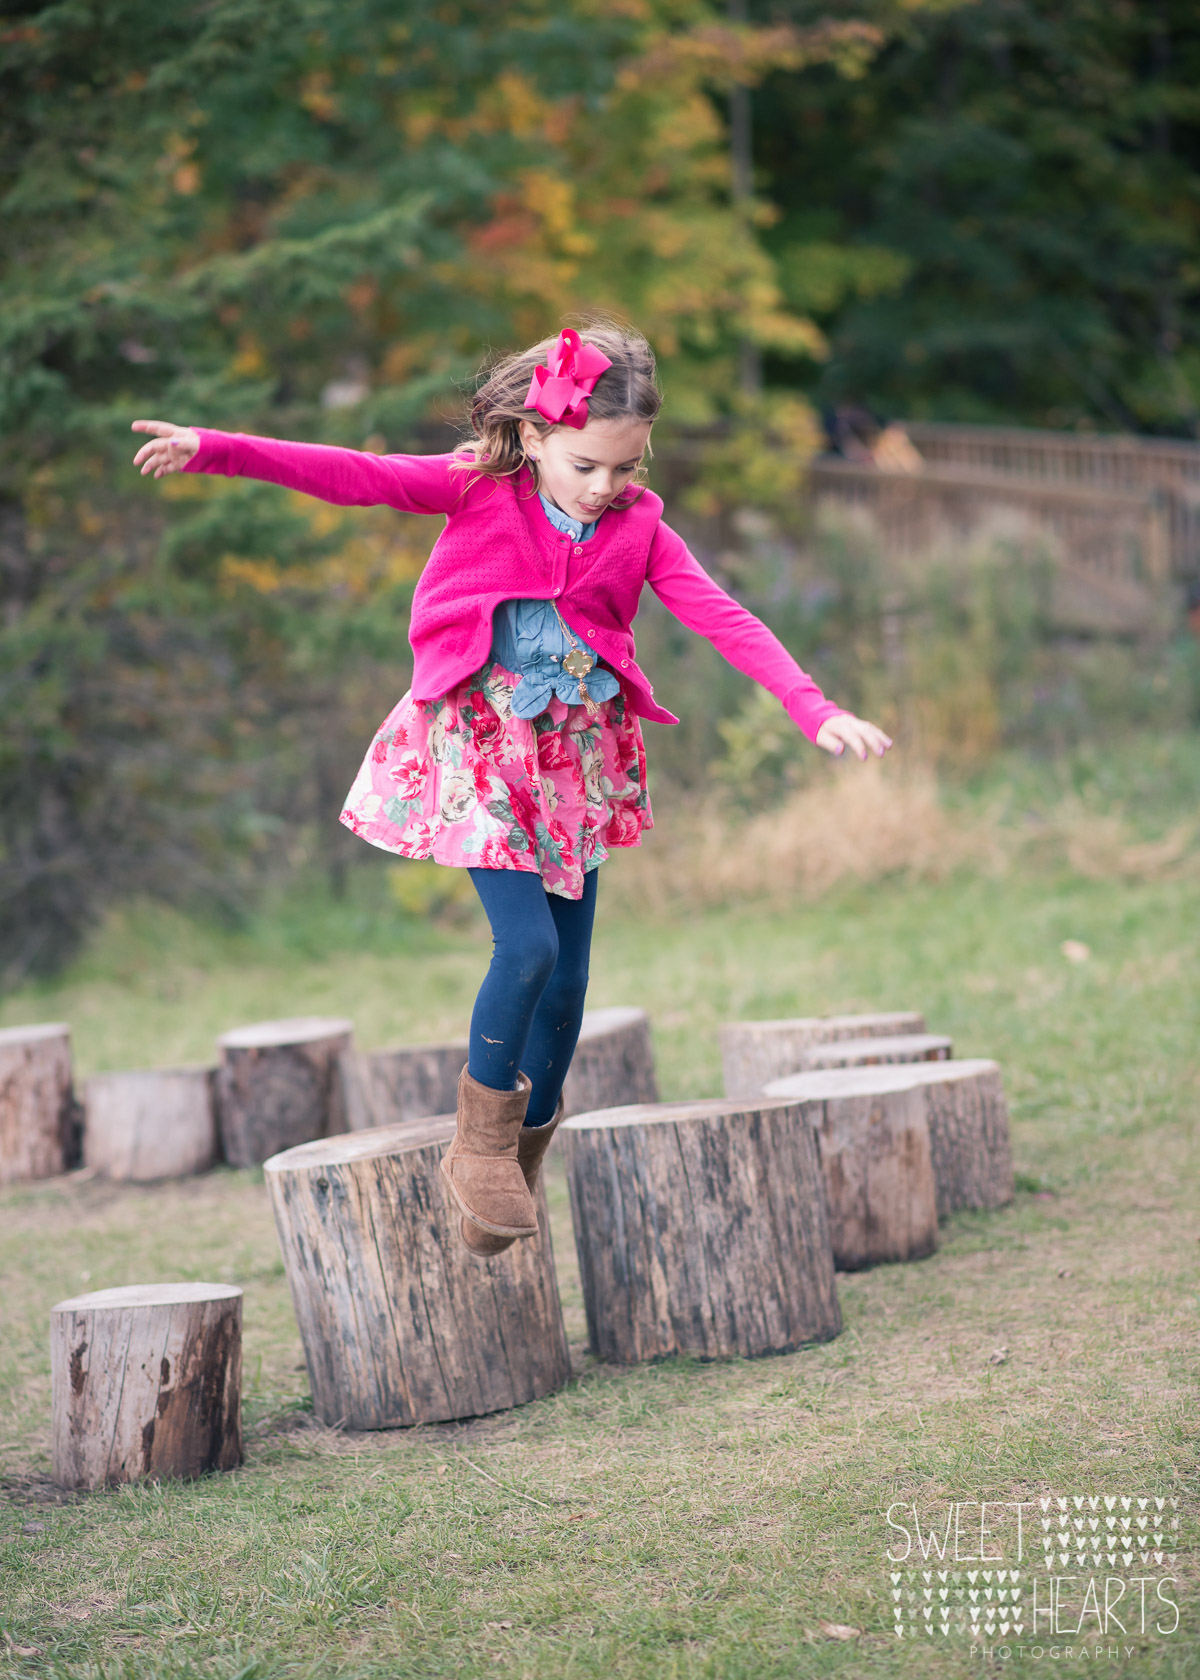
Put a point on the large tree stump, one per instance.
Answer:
(753, 1052)
(613, 1064)
(147, 1382)
(875, 1052)
(277, 1086)
(701, 1229)
(966, 1114)
(401, 1324)
(37, 1105)
(151, 1124)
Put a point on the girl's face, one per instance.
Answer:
(583, 471)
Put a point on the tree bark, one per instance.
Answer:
(276, 1086)
(701, 1229)
(874, 1052)
(401, 1323)
(966, 1114)
(37, 1105)
(146, 1382)
(754, 1052)
(878, 1166)
(151, 1124)
(613, 1064)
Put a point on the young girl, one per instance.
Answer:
(517, 753)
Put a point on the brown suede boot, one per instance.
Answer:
(481, 1166)
(532, 1145)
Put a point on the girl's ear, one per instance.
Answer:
(530, 438)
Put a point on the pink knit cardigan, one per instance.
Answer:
(497, 545)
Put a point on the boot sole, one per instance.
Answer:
(483, 1224)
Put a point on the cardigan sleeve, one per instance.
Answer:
(697, 600)
(349, 477)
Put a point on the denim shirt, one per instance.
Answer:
(528, 639)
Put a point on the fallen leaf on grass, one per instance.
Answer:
(496, 1627)
(1075, 950)
(838, 1630)
(998, 1356)
(1064, 1271)
(578, 1516)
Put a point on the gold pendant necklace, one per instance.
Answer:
(577, 664)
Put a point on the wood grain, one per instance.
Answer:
(276, 1086)
(37, 1106)
(754, 1052)
(150, 1124)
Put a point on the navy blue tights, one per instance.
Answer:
(530, 1006)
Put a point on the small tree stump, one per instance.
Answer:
(276, 1086)
(410, 1082)
(966, 1114)
(874, 1052)
(37, 1105)
(753, 1052)
(147, 1382)
(701, 1229)
(401, 1324)
(156, 1123)
(613, 1063)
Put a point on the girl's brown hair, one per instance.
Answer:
(628, 390)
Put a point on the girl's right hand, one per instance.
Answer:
(171, 450)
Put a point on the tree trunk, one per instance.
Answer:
(754, 1052)
(146, 1382)
(878, 1166)
(613, 1064)
(701, 1229)
(37, 1104)
(401, 1323)
(153, 1124)
(874, 1052)
(411, 1082)
(276, 1086)
(966, 1114)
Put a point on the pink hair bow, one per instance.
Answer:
(560, 390)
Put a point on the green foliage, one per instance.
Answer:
(1001, 220)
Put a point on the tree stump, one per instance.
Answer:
(152, 1124)
(966, 1114)
(276, 1086)
(874, 1052)
(410, 1082)
(753, 1052)
(37, 1104)
(701, 1229)
(613, 1063)
(401, 1323)
(147, 1382)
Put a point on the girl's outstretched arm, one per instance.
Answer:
(697, 600)
(348, 477)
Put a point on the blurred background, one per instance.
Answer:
(923, 282)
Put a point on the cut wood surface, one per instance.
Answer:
(871, 1052)
(701, 1229)
(966, 1114)
(277, 1086)
(401, 1324)
(613, 1064)
(150, 1124)
(37, 1106)
(146, 1382)
(753, 1052)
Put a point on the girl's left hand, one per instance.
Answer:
(846, 730)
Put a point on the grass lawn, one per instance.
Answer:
(678, 1520)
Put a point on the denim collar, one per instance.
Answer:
(573, 528)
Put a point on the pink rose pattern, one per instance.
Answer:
(463, 781)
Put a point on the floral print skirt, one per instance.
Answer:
(464, 782)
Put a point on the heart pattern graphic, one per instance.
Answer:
(1095, 1533)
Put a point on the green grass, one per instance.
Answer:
(680, 1520)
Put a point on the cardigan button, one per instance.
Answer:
(624, 663)
(578, 551)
